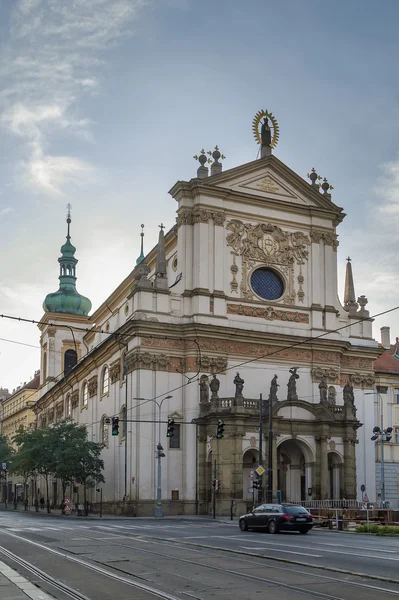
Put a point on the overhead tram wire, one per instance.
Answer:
(254, 359)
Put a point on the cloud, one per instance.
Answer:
(6, 211)
(54, 57)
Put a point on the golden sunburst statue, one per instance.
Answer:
(257, 133)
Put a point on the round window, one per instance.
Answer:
(267, 284)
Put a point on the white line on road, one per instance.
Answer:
(285, 551)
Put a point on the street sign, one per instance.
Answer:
(259, 470)
(362, 488)
(4, 466)
(78, 480)
(250, 490)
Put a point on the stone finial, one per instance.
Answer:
(161, 279)
(202, 171)
(313, 176)
(362, 302)
(350, 304)
(141, 257)
(216, 166)
(325, 186)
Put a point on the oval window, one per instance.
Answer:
(267, 284)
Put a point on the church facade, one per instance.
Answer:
(239, 299)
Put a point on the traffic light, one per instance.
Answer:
(115, 426)
(219, 433)
(171, 426)
(214, 483)
(388, 434)
(256, 485)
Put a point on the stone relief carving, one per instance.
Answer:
(136, 359)
(92, 386)
(115, 370)
(234, 271)
(318, 373)
(213, 364)
(199, 215)
(60, 409)
(355, 362)
(267, 243)
(268, 313)
(51, 415)
(264, 243)
(329, 238)
(301, 281)
(360, 380)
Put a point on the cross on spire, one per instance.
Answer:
(161, 226)
(69, 208)
(349, 259)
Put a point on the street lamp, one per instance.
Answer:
(381, 435)
(159, 454)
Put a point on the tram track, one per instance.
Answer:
(119, 574)
(147, 590)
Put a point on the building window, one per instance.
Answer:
(174, 441)
(105, 382)
(104, 429)
(70, 360)
(267, 284)
(85, 395)
(68, 406)
(396, 435)
(396, 395)
(123, 417)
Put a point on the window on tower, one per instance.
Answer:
(70, 360)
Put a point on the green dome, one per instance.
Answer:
(67, 299)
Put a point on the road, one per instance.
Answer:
(193, 558)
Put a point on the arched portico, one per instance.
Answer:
(295, 461)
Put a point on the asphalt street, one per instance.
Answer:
(181, 558)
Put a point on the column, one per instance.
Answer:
(349, 468)
(316, 284)
(308, 480)
(202, 471)
(275, 467)
(336, 474)
(321, 483)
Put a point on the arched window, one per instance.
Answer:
(70, 360)
(68, 406)
(105, 382)
(85, 395)
(123, 417)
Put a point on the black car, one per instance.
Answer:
(277, 517)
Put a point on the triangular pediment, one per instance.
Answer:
(269, 178)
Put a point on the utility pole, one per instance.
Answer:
(125, 424)
(260, 481)
(214, 492)
(270, 454)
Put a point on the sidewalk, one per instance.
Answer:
(15, 587)
(55, 512)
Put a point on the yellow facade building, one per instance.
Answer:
(17, 409)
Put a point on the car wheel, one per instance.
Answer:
(303, 531)
(272, 527)
(243, 525)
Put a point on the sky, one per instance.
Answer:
(103, 104)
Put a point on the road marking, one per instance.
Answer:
(285, 551)
(358, 547)
(272, 546)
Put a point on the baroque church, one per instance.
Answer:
(237, 302)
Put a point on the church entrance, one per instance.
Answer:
(294, 470)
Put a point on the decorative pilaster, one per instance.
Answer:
(349, 468)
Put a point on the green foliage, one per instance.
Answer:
(62, 451)
(6, 453)
(378, 529)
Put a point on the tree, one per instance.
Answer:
(23, 462)
(6, 454)
(76, 456)
(36, 451)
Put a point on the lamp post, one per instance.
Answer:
(160, 454)
(381, 435)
